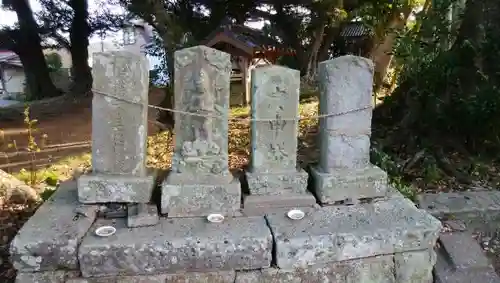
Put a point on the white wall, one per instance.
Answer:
(14, 79)
(114, 41)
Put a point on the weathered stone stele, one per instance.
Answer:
(344, 170)
(119, 131)
(200, 182)
(273, 169)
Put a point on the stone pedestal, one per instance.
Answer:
(273, 169)
(104, 188)
(185, 196)
(345, 184)
(119, 131)
(344, 170)
(200, 182)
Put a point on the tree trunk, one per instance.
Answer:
(30, 53)
(79, 37)
(381, 54)
(312, 62)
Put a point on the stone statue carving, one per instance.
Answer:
(279, 87)
(202, 103)
(202, 150)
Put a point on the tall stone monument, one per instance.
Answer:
(274, 179)
(119, 131)
(200, 182)
(344, 171)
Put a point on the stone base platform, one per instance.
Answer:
(386, 241)
(141, 214)
(177, 245)
(188, 196)
(413, 267)
(461, 259)
(259, 205)
(349, 184)
(338, 233)
(102, 188)
(277, 183)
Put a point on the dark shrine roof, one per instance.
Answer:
(355, 29)
(248, 39)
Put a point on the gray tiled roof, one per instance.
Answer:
(354, 29)
(10, 58)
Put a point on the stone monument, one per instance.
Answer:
(119, 131)
(199, 182)
(384, 239)
(344, 172)
(274, 179)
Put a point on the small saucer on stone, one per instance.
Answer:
(105, 231)
(215, 218)
(295, 214)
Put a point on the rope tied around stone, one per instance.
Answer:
(240, 119)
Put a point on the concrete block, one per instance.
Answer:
(192, 198)
(177, 245)
(271, 183)
(142, 214)
(122, 279)
(49, 240)
(104, 188)
(489, 276)
(479, 210)
(339, 233)
(342, 184)
(262, 211)
(190, 277)
(59, 276)
(208, 277)
(260, 204)
(415, 266)
(73, 277)
(445, 272)
(366, 270)
(463, 251)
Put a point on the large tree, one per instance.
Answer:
(70, 24)
(24, 39)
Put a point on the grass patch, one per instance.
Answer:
(59, 171)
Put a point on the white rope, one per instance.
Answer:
(235, 118)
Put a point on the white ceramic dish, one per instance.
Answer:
(295, 214)
(105, 231)
(215, 218)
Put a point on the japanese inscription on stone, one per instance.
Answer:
(119, 113)
(275, 103)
